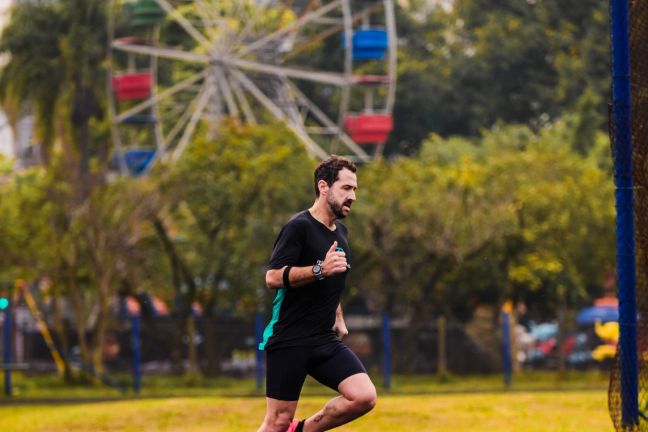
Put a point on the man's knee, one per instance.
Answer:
(365, 401)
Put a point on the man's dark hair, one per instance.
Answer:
(329, 170)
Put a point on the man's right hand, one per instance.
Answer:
(335, 261)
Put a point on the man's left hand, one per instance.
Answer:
(340, 328)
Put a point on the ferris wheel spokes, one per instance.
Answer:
(292, 72)
(259, 95)
(168, 53)
(312, 146)
(201, 104)
(206, 13)
(330, 78)
(330, 127)
(249, 23)
(185, 23)
(242, 101)
(227, 93)
(254, 46)
(182, 114)
(337, 26)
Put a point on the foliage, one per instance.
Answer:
(79, 252)
(56, 52)
(468, 222)
(464, 69)
(35, 69)
(23, 229)
(227, 198)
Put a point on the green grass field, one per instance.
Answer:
(536, 401)
(503, 411)
(38, 387)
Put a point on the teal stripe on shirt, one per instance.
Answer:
(276, 307)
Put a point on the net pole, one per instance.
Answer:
(387, 351)
(137, 354)
(626, 272)
(506, 345)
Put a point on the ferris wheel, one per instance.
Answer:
(325, 68)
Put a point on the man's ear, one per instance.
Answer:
(322, 186)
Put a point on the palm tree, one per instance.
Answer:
(33, 74)
(56, 50)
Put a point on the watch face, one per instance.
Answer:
(317, 269)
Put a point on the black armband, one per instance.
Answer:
(286, 277)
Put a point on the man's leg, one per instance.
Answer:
(285, 374)
(357, 397)
(278, 416)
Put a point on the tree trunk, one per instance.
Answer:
(84, 108)
(210, 340)
(61, 329)
(84, 143)
(102, 323)
(177, 357)
(182, 275)
(442, 367)
(193, 370)
(77, 308)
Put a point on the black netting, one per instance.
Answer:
(639, 93)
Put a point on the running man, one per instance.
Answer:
(308, 268)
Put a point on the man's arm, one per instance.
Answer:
(340, 327)
(334, 263)
(298, 277)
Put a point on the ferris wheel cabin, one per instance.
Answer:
(369, 127)
(369, 44)
(132, 86)
(145, 13)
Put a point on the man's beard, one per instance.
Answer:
(337, 208)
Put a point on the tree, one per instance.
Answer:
(227, 198)
(463, 70)
(35, 70)
(511, 215)
(85, 251)
(558, 248)
(56, 52)
(111, 226)
(416, 221)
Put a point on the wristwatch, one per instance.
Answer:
(318, 270)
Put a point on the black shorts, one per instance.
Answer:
(329, 364)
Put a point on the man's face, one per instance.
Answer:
(341, 194)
